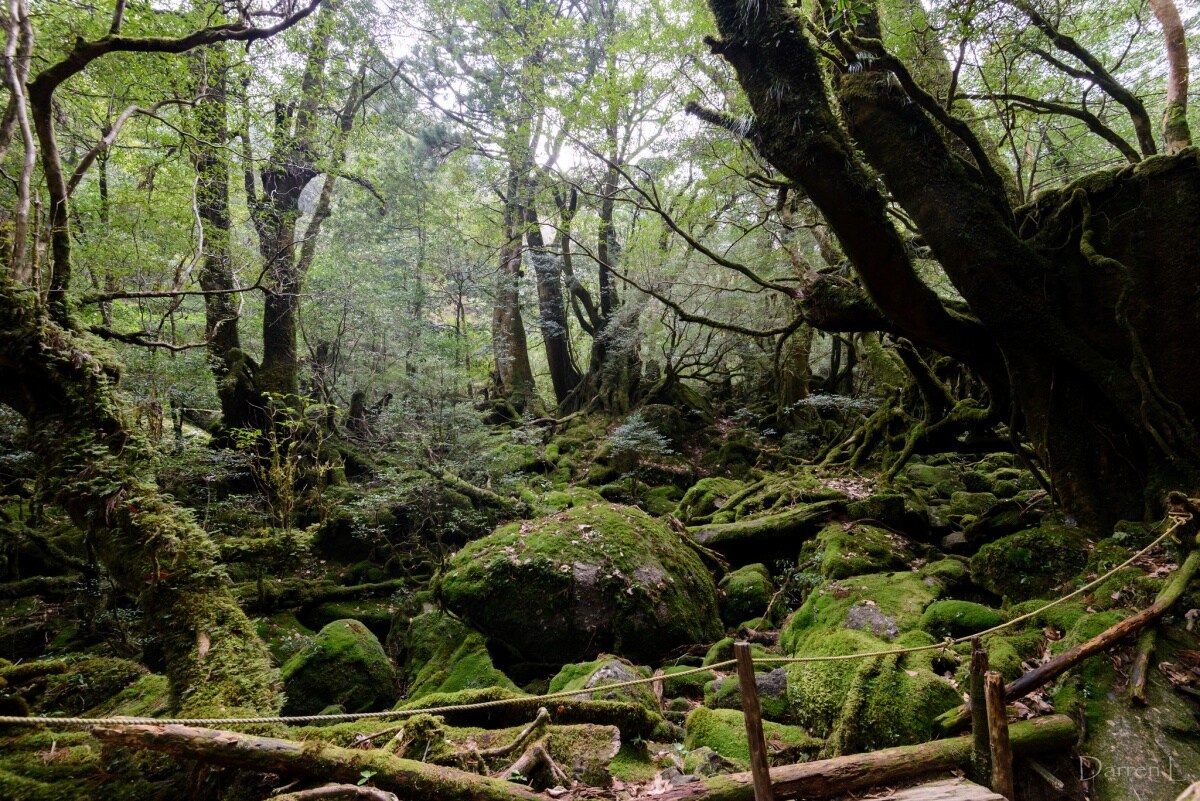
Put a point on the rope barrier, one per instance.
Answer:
(1177, 520)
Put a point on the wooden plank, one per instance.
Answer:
(945, 790)
(754, 728)
(1002, 768)
(981, 759)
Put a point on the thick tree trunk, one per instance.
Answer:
(513, 377)
(152, 549)
(232, 368)
(552, 310)
(1085, 304)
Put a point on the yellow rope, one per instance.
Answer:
(1177, 520)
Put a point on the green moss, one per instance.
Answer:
(590, 578)
(895, 601)
(344, 664)
(745, 593)
(283, 634)
(89, 683)
(375, 614)
(688, 686)
(724, 731)
(603, 671)
(632, 764)
(725, 693)
(148, 697)
(1030, 563)
(1060, 618)
(722, 651)
(661, 501)
(949, 573)
(860, 549)
(442, 655)
(959, 618)
(705, 497)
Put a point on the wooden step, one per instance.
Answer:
(944, 790)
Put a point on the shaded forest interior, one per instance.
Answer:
(502, 364)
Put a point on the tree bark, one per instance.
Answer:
(1176, 133)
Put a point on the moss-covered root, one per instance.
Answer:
(407, 778)
(829, 778)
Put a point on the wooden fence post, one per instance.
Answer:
(981, 757)
(1002, 768)
(754, 728)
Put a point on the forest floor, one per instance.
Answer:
(606, 583)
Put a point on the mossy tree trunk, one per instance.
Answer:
(152, 548)
(1082, 304)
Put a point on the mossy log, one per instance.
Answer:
(44, 586)
(829, 778)
(277, 594)
(956, 718)
(484, 497)
(759, 536)
(313, 760)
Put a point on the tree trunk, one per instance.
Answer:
(1083, 301)
(552, 310)
(97, 470)
(513, 377)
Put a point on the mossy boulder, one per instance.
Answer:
(724, 731)
(688, 685)
(1031, 563)
(950, 618)
(344, 664)
(843, 550)
(725, 693)
(872, 702)
(442, 655)
(745, 593)
(705, 497)
(604, 671)
(597, 577)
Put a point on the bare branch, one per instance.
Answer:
(106, 141)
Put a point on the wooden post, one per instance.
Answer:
(754, 728)
(981, 757)
(1002, 770)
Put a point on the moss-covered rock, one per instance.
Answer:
(374, 613)
(874, 701)
(344, 664)
(594, 577)
(949, 618)
(283, 634)
(705, 497)
(745, 593)
(661, 501)
(689, 685)
(1030, 563)
(605, 671)
(724, 731)
(859, 549)
(147, 697)
(725, 693)
(442, 655)
(722, 651)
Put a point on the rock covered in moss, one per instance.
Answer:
(843, 550)
(745, 593)
(591, 578)
(705, 497)
(726, 693)
(1030, 563)
(602, 672)
(679, 681)
(724, 731)
(439, 654)
(872, 702)
(344, 664)
(949, 618)
(89, 683)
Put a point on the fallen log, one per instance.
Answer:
(956, 718)
(312, 760)
(830, 778)
(275, 594)
(776, 532)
